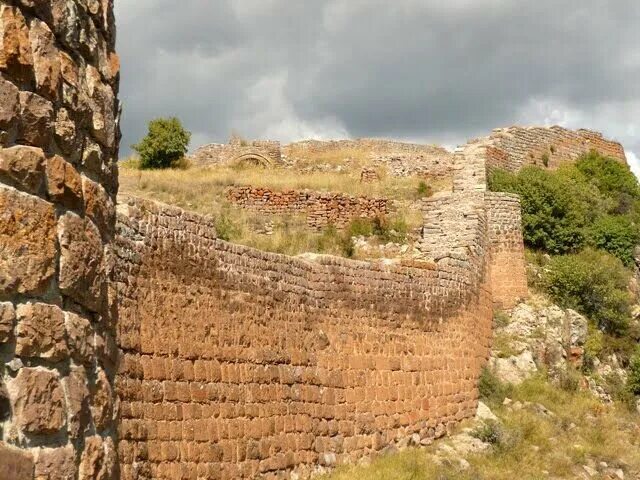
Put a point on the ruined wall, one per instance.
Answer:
(514, 147)
(58, 180)
(239, 362)
(508, 265)
(320, 208)
(264, 152)
(398, 158)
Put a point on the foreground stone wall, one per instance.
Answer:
(515, 147)
(58, 181)
(397, 158)
(239, 362)
(320, 208)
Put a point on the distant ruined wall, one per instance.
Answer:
(398, 158)
(239, 363)
(58, 180)
(320, 208)
(515, 147)
(265, 152)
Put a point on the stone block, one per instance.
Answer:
(64, 184)
(27, 242)
(15, 464)
(77, 395)
(36, 120)
(82, 275)
(55, 463)
(38, 401)
(46, 60)
(16, 58)
(98, 460)
(23, 167)
(40, 331)
(7, 321)
(101, 401)
(80, 338)
(99, 206)
(9, 105)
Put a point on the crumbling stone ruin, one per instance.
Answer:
(320, 208)
(58, 182)
(261, 152)
(138, 345)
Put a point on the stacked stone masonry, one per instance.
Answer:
(261, 152)
(58, 181)
(239, 363)
(320, 208)
(399, 159)
(515, 147)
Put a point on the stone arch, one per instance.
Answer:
(254, 158)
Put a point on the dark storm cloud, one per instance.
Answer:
(420, 69)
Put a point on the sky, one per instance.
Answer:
(431, 71)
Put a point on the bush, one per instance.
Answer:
(165, 144)
(633, 381)
(361, 227)
(424, 190)
(490, 432)
(556, 206)
(595, 284)
(491, 388)
(617, 235)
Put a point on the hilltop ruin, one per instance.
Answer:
(136, 344)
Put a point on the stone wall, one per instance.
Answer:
(261, 152)
(320, 208)
(514, 147)
(239, 362)
(58, 180)
(508, 265)
(398, 158)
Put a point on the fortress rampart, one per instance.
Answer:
(261, 152)
(320, 208)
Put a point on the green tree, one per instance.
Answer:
(166, 142)
(616, 234)
(595, 284)
(633, 381)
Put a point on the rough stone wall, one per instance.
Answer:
(508, 265)
(239, 362)
(398, 158)
(58, 180)
(321, 208)
(266, 152)
(514, 147)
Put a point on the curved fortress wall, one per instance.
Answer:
(58, 180)
(239, 362)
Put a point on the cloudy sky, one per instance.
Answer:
(424, 70)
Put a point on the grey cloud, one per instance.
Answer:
(410, 69)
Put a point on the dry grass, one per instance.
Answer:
(534, 446)
(203, 190)
(354, 158)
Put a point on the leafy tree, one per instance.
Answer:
(166, 143)
(633, 381)
(595, 284)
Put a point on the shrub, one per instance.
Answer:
(617, 235)
(164, 145)
(569, 380)
(612, 178)
(424, 190)
(490, 432)
(595, 284)
(633, 381)
(491, 388)
(545, 159)
(361, 227)
(556, 206)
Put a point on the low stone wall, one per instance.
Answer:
(238, 363)
(398, 158)
(514, 147)
(320, 208)
(261, 152)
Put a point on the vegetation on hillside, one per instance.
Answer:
(165, 144)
